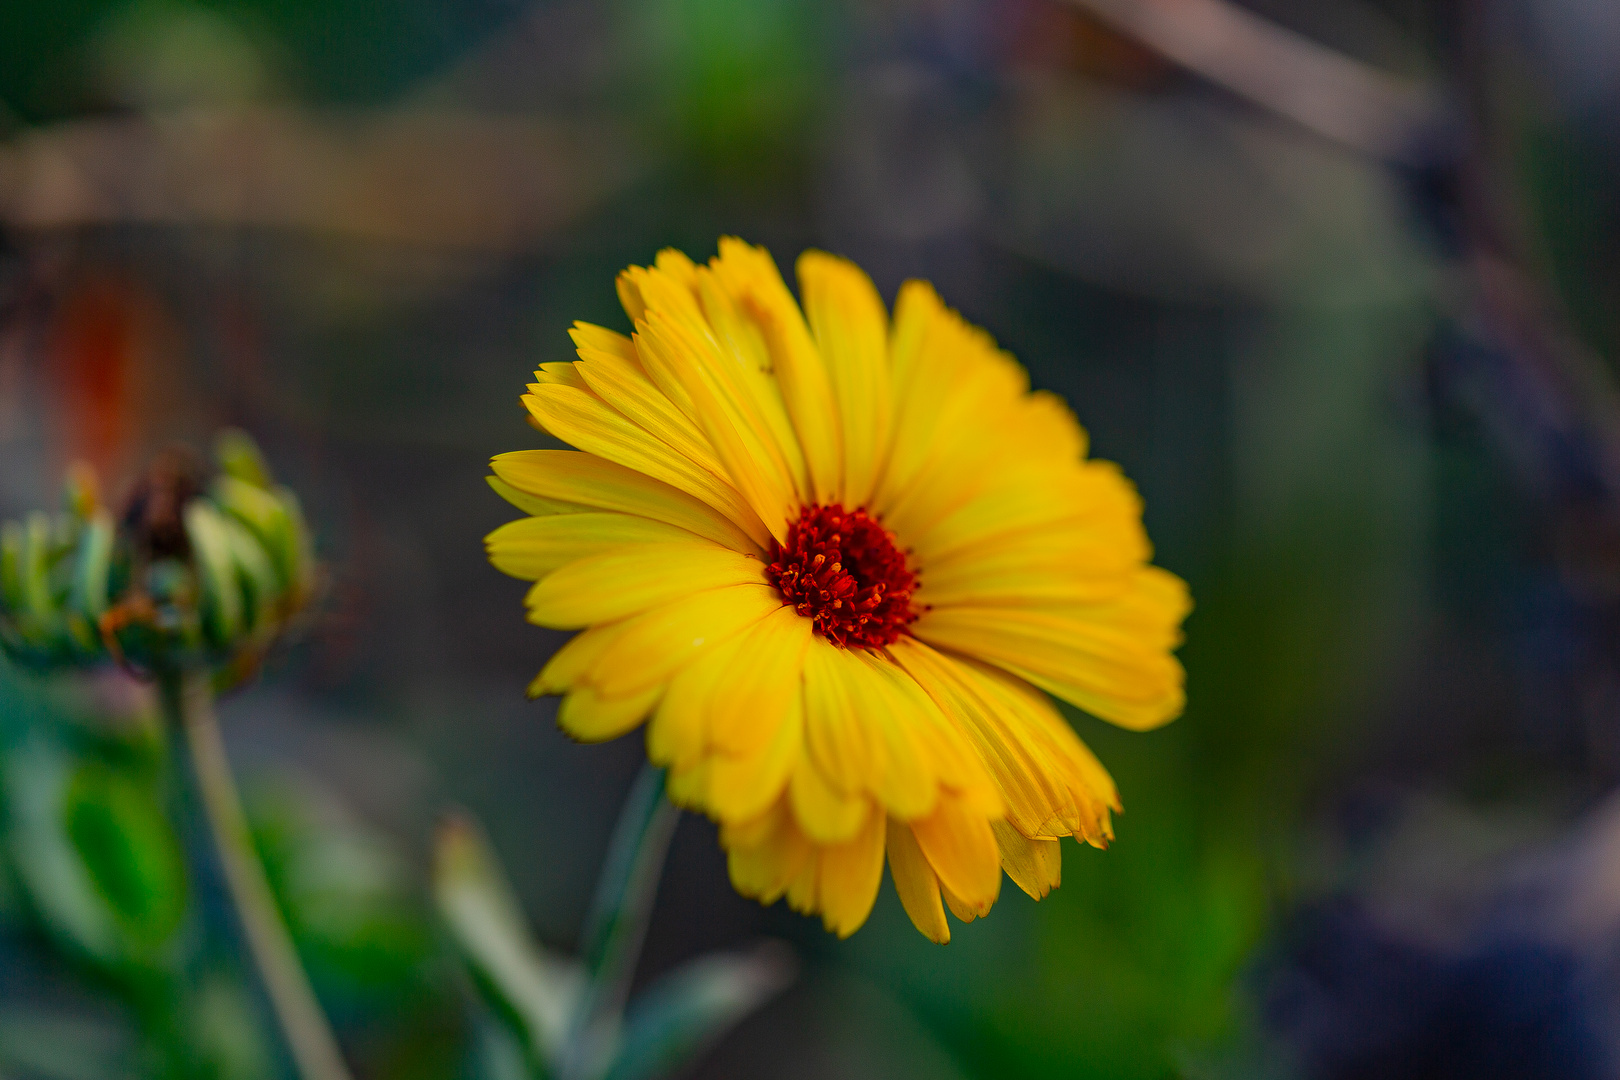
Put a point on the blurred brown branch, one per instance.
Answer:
(1338, 97)
(442, 179)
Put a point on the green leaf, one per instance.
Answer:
(498, 1053)
(222, 1035)
(529, 986)
(98, 861)
(347, 894)
(119, 830)
(688, 1010)
(53, 875)
(55, 1047)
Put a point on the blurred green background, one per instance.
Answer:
(1367, 390)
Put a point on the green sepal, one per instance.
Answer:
(216, 572)
(296, 550)
(263, 514)
(91, 570)
(256, 575)
(36, 569)
(11, 546)
(239, 457)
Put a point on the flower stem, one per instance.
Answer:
(617, 924)
(189, 705)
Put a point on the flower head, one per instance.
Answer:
(837, 561)
(190, 574)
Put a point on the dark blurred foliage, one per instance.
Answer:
(1370, 404)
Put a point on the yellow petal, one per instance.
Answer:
(1046, 428)
(587, 480)
(949, 756)
(676, 264)
(742, 785)
(960, 908)
(624, 386)
(765, 855)
(655, 645)
(712, 372)
(1088, 782)
(629, 289)
(748, 276)
(916, 883)
(610, 586)
(904, 768)
(625, 658)
(861, 735)
(946, 375)
(590, 718)
(568, 664)
(1051, 784)
(530, 548)
(762, 669)
(1036, 866)
(740, 703)
(869, 728)
(1092, 499)
(835, 737)
(740, 337)
(1037, 710)
(803, 892)
(558, 374)
(1030, 780)
(846, 317)
(1087, 570)
(678, 736)
(689, 788)
(850, 875)
(532, 504)
(728, 411)
(1111, 659)
(962, 850)
(915, 307)
(601, 339)
(826, 813)
(587, 422)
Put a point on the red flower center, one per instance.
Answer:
(842, 569)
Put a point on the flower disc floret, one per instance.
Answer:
(843, 570)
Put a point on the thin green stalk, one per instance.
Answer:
(620, 911)
(189, 703)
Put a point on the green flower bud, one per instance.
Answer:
(192, 574)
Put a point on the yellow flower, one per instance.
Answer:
(835, 559)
